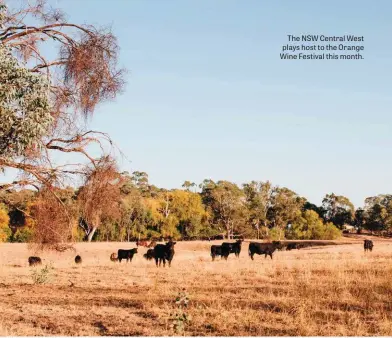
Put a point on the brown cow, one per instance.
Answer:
(113, 257)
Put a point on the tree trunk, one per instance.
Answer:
(91, 234)
(128, 234)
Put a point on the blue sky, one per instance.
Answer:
(209, 97)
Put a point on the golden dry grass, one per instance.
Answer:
(333, 290)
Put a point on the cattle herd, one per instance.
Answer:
(165, 252)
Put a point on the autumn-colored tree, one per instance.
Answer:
(309, 225)
(17, 205)
(99, 197)
(188, 209)
(5, 231)
(52, 221)
(44, 101)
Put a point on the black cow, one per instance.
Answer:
(149, 255)
(163, 252)
(263, 248)
(228, 248)
(216, 250)
(291, 246)
(34, 261)
(126, 254)
(368, 245)
(78, 259)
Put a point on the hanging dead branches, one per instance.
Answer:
(84, 74)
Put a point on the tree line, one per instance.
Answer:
(53, 76)
(131, 208)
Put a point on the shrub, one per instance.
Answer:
(41, 276)
(310, 226)
(331, 231)
(276, 234)
(180, 318)
(5, 231)
(23, 235)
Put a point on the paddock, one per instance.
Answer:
(337, 289)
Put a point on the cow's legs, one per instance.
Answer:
(270, 255)
(251, 256)
(156, 261)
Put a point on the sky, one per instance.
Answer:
(208, 96)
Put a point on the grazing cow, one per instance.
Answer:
(163, 252)
(368, 245)
(113, 257)
(149, 255)
(263, 248)
(126, 254)
(216, 250)
(228, 248)
(34, 261)
(291, 246)
(78, 259)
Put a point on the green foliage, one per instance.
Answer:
(23, 235)
(43, 275)
(377, 215)
(3, 11)
(5, 231)
(276, 234)
(180, 318)
(259, 210)
(310, 226)
(78, 234)
(169, 227)
(226, 203)
(331, 231)
(24, 107)
(188, 209)
(286, 205)
(338, 210)
(258, 203)
(152, 234)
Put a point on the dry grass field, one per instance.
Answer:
(331, 290)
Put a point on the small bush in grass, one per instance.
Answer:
(23, 235)
(180, 318)
(41, 276)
